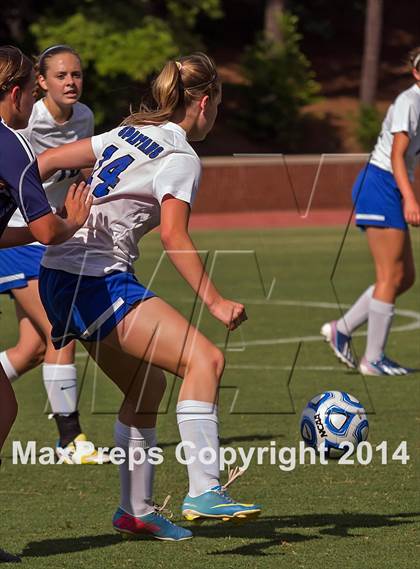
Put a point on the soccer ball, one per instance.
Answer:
(331, 418)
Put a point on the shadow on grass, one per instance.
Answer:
(262, 534)
(268, 532)
(61, 545)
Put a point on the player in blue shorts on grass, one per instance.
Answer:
(385, 204)
(146, 174)
(57, 118)
(21, 187)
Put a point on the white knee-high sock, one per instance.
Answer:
(7, 366)
(61, 386)
(198, 426)
(379, 325)
(357, 314)
(136, 484)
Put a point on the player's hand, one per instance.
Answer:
(231, 313)
(412, 211)
(78, 203)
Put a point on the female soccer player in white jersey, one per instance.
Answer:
(384, 204)
(57, 118)
(146, 173)
(21, 187)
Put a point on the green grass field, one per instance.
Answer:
(356, 516)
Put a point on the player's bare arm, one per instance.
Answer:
(76, 155)
(411, 206)
(14, 236)
(183, 254)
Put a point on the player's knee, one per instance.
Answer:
(216, 360)
(392, 279)
(33, 354)
(408, 280)
(37, 355)
(209, 359)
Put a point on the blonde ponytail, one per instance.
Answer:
(177, 85)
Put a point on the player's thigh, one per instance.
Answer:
(142, 383)
(30, 302)
(387, 246)
(36, 322)
(157, 333)
(31, 341)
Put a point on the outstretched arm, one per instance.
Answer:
(183, 254)
(72, 156)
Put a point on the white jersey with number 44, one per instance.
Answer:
(136, 167)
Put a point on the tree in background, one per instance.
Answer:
(369, 118)
(121, 44)
(280, 83)
(371, 52)
(272, 15)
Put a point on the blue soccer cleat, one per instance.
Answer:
(384, 366)
(340, 343)
(150, 525)
(217, 504)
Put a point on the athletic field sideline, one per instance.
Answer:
(60, 516)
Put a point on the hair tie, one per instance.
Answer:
(179, 65)
(202, 85)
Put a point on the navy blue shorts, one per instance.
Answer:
(87, 308)
(18, 265)
(377, 199)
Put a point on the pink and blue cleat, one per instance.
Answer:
(150, 525)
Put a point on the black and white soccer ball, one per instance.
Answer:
(333, 418)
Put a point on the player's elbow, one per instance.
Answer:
(44, 235)
(45, 164)
(45, 230)
(173, 240)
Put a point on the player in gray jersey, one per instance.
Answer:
(57, 118)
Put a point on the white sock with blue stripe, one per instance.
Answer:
(198, 426)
